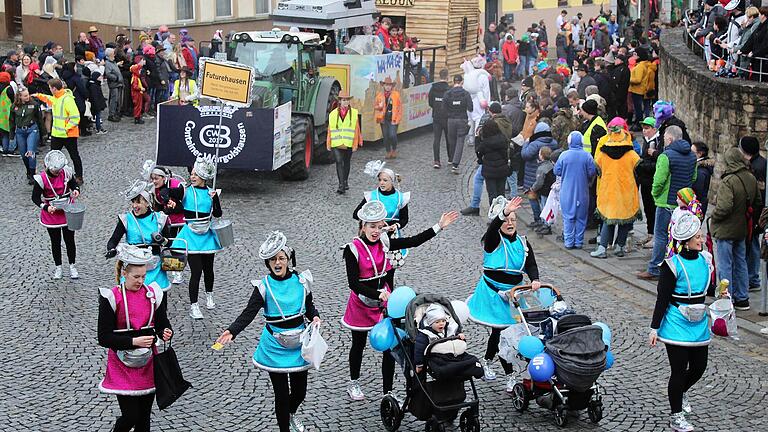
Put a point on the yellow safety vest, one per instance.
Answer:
(66, 117)
(588, 134)
(342, 131)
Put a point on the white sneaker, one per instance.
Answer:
(296, 425)
(510, 383)
(354, 391)
(686, 404)
(73, 274)
(176, 278)
(678, 423)
(57, 273)
(488, 373)
(764, 331)
(209, 303)
(194, 312)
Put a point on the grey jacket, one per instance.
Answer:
(112, 74)
(707, 24)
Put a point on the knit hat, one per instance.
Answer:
(5, 77)
(527, 82)
(711, 2)
(618, 122)
(686, 195)
(542, 127)
(495, 107)
(434, 313)
(589, 107)
(747, 144)
(542, 65)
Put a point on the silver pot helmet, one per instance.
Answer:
(274, 244)
(497, 206)
(149, 168)
(55, 160)
(204, 168)
(133, 255)
(372, 211)
(138, 188)
(375, 167)
(685, 227)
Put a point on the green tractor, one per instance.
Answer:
(287, 69)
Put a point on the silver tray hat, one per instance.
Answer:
(372, 211)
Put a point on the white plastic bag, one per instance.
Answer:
(313, 346)
(722, 309)
(509, 339)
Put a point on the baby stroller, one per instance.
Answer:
(578, 351)
(437, 394)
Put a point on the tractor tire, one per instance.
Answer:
(322, 155)
(302, 146)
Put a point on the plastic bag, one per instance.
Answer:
(313, 346)
(509, 339)
(724, 318)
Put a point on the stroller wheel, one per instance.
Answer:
(595, 411)
(560, 416)
(469, 422)
(433, 425)
(391, 414)
(520, 398)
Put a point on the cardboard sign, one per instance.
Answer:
(227, 81)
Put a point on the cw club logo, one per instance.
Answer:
(203, 142)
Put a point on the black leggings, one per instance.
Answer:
(342, 156)
(70, 143)
(493, 349)
(199, 264)
(135, 413)
(288, 397)
(69, 240)
(356, 360)
(687, 366)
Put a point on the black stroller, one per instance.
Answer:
(437, 394)
(578, 350)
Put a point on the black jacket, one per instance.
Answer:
(493, 151)
(705, 168)
(436, 93)
(620, 83)
(457, 102)
(757, 43)
(674, 121)
(647, 166)
(95, 95)
(75, 83)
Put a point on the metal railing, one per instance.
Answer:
(417, 74)
(733, 61)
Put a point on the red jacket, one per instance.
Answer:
(509, 51)
(384, 34)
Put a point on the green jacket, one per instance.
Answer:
(738, 190)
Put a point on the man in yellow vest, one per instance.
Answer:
(593, 127)
(66, 120)
(344, 137)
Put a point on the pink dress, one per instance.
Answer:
(54, 189)
(373, 264)
(176, 219)
(119, 378)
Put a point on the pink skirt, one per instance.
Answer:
(123, 380)
(360, 317)
(55, 220)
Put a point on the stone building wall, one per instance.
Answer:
(717, 111)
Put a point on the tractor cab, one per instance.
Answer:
(286, 65)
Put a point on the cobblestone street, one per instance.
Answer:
(52, 364)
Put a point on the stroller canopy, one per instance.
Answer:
(415, 311)
(579, 356)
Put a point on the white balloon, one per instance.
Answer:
(461, 309)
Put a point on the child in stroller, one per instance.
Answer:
(436, 366)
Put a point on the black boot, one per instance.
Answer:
(346, 185)
(30, 178)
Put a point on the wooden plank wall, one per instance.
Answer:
(435, 23)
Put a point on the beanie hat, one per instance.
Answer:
(5, 77)
(434, 313)
(528, 82)
(495, 107)
(562, 103)
(686, 195)
(541, 127)
(749, 145)
(542, 65)
(711, 2)
(590, 107)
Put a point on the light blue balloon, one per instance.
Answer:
(541, 367)
(403, 336)
(399, 300)
(382, 335)
(530, 346)
(609, 359)
(606, 333)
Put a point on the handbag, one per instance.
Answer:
(169, 381)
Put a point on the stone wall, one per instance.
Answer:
(717, 111)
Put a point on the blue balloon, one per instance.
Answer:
(609, 359)
(399, 300)
(529, 346)
(541, 367)
(382, 335)
(400, 332)
(606, 333)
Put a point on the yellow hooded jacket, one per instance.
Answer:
(618, 199)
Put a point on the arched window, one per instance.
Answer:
(463, 36)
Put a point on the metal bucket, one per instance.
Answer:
(224, 232)
(75, 213)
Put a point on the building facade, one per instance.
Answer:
(39, 21)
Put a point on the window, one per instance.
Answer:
(223, 8)
(67, 8)
(463, 34)
(185, 10)
(263, 6)
(48, 7)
